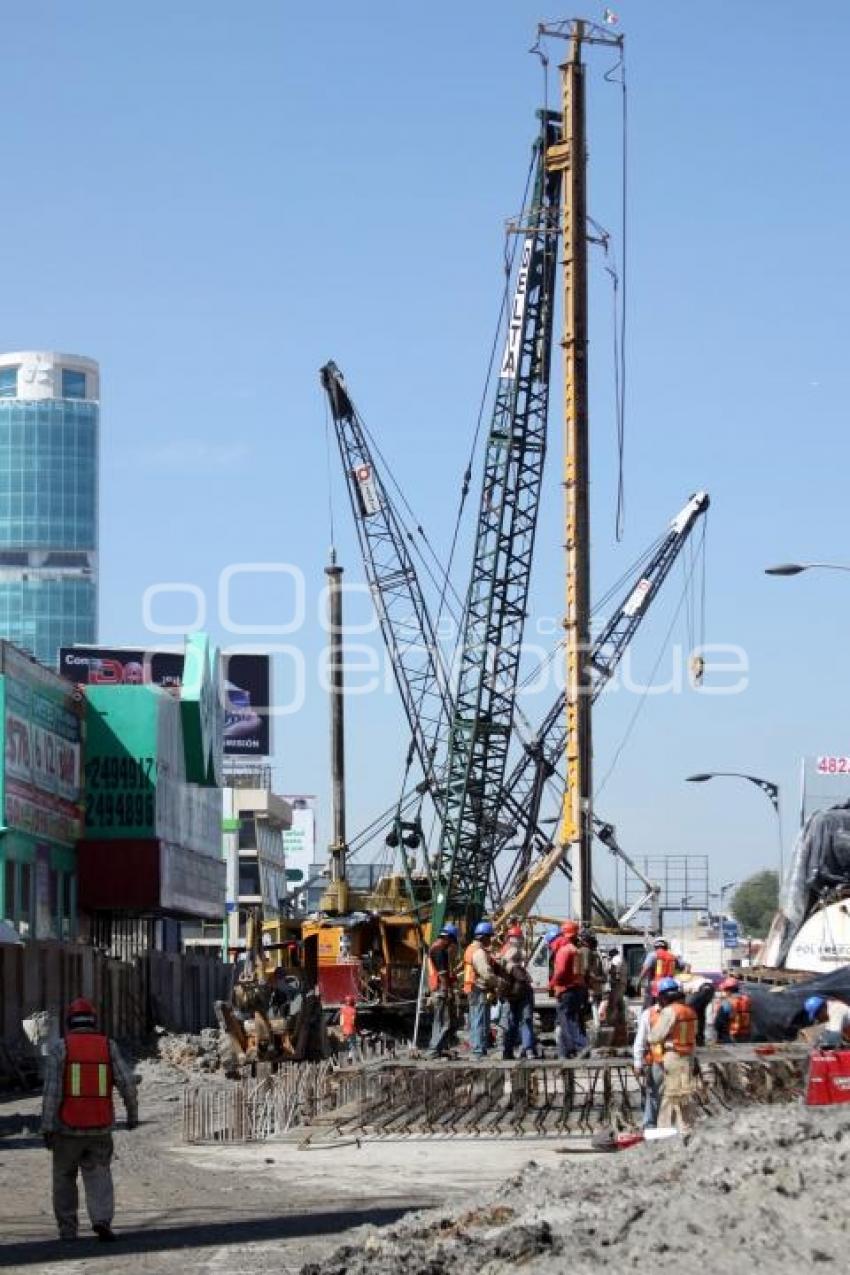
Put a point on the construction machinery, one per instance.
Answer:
(486, 816)
(273, 1014)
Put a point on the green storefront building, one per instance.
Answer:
(41, 717)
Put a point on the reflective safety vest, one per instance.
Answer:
(683, 1037)
(469, 975)
(740, 1023)
(87, 1082)
(348, 1019)
(654, 1053)
(433, 972)
(664, 966)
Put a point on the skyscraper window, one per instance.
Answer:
(73, 383)
(49, 444)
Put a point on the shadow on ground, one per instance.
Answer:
(243, 1230)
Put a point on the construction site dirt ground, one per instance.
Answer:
(761, 1188)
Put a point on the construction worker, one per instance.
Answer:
(659, 963)
(672, 1041)
(348, 1023)
(481, 981)
(733, 1016)
(699, 993)
(442, 984)
(613, 1013)
(648, 1070)
(569, 987)
(77, 1118)
(517, 1017)
(594, 976)
(815, 1020)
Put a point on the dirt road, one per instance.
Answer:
(257, 1208)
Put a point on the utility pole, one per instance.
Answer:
(335, 898)
(570, 157)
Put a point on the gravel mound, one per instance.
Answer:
(762, 1190)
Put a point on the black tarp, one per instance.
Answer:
(777, 1015)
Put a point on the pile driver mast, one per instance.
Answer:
(569, 159)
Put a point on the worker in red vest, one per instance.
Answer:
(77, 1119)
(734, 1014)
(569, 987)
(348, 1023)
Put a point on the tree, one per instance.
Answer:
(755, 902)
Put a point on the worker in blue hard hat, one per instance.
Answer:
(483, 981)
(442, 986)
(672, 1043)
(813, 1020)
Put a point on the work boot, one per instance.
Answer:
(104, 1232)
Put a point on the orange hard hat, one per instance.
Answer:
(349, 1000)
(569, 929)
(514, 932)
(729, 985)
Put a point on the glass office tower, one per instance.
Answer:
(49, 440)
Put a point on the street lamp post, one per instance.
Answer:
(794, 568)
(770, 790)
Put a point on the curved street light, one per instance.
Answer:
(767, 786)
(794, 568)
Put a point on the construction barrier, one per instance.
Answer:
(163, 989)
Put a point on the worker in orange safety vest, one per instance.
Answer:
(672, 1042)
(348, 1024)
(77, 1119)
(659, 963)
(733, 1016)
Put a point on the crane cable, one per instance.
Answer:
(647, 687)
(445, 571)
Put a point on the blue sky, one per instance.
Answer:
(213, 199)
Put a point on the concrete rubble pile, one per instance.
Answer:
(764, 1189)
(202, 1052)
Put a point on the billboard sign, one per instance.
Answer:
(247, 684)
(42, 752)
(299, 841)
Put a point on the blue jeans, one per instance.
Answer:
(518, 1025)
(653, 1079)
(442, 1024)
(479, 1022)
(571, 1037)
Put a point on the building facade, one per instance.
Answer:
(41, 720)
(255, 822)
(49, 448)
(151, 849)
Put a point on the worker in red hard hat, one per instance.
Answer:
(517, 1013)
(733, 1016)
(77, 1118)
(569, 987)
